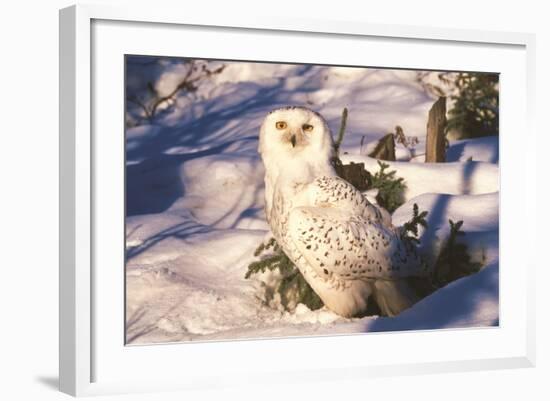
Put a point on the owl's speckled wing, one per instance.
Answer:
(342, 234)
(335, 192)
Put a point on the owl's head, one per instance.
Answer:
(294, 133)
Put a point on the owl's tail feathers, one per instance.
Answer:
(394, 296)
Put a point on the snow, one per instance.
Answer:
(457, 178)
(480, 216)
(480, 149)
(467, 302)
(195, 199)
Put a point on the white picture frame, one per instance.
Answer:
(86, 333)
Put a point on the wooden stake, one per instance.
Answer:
(435, 137)
(385, 149)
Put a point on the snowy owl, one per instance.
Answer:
(345, 248)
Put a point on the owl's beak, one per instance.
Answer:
(293, 140)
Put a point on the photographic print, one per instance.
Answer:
(268, 200)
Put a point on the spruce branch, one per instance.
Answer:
(409, 231)
(454, 260)
(292, 287)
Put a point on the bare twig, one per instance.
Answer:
(340, 137)
(135, 100)
(183, 84)
(187, 83)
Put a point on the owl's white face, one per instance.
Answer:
(295, 134)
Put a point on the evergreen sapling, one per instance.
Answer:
(390, 188)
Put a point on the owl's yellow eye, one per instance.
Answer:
(280, 125)
(307, 127)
